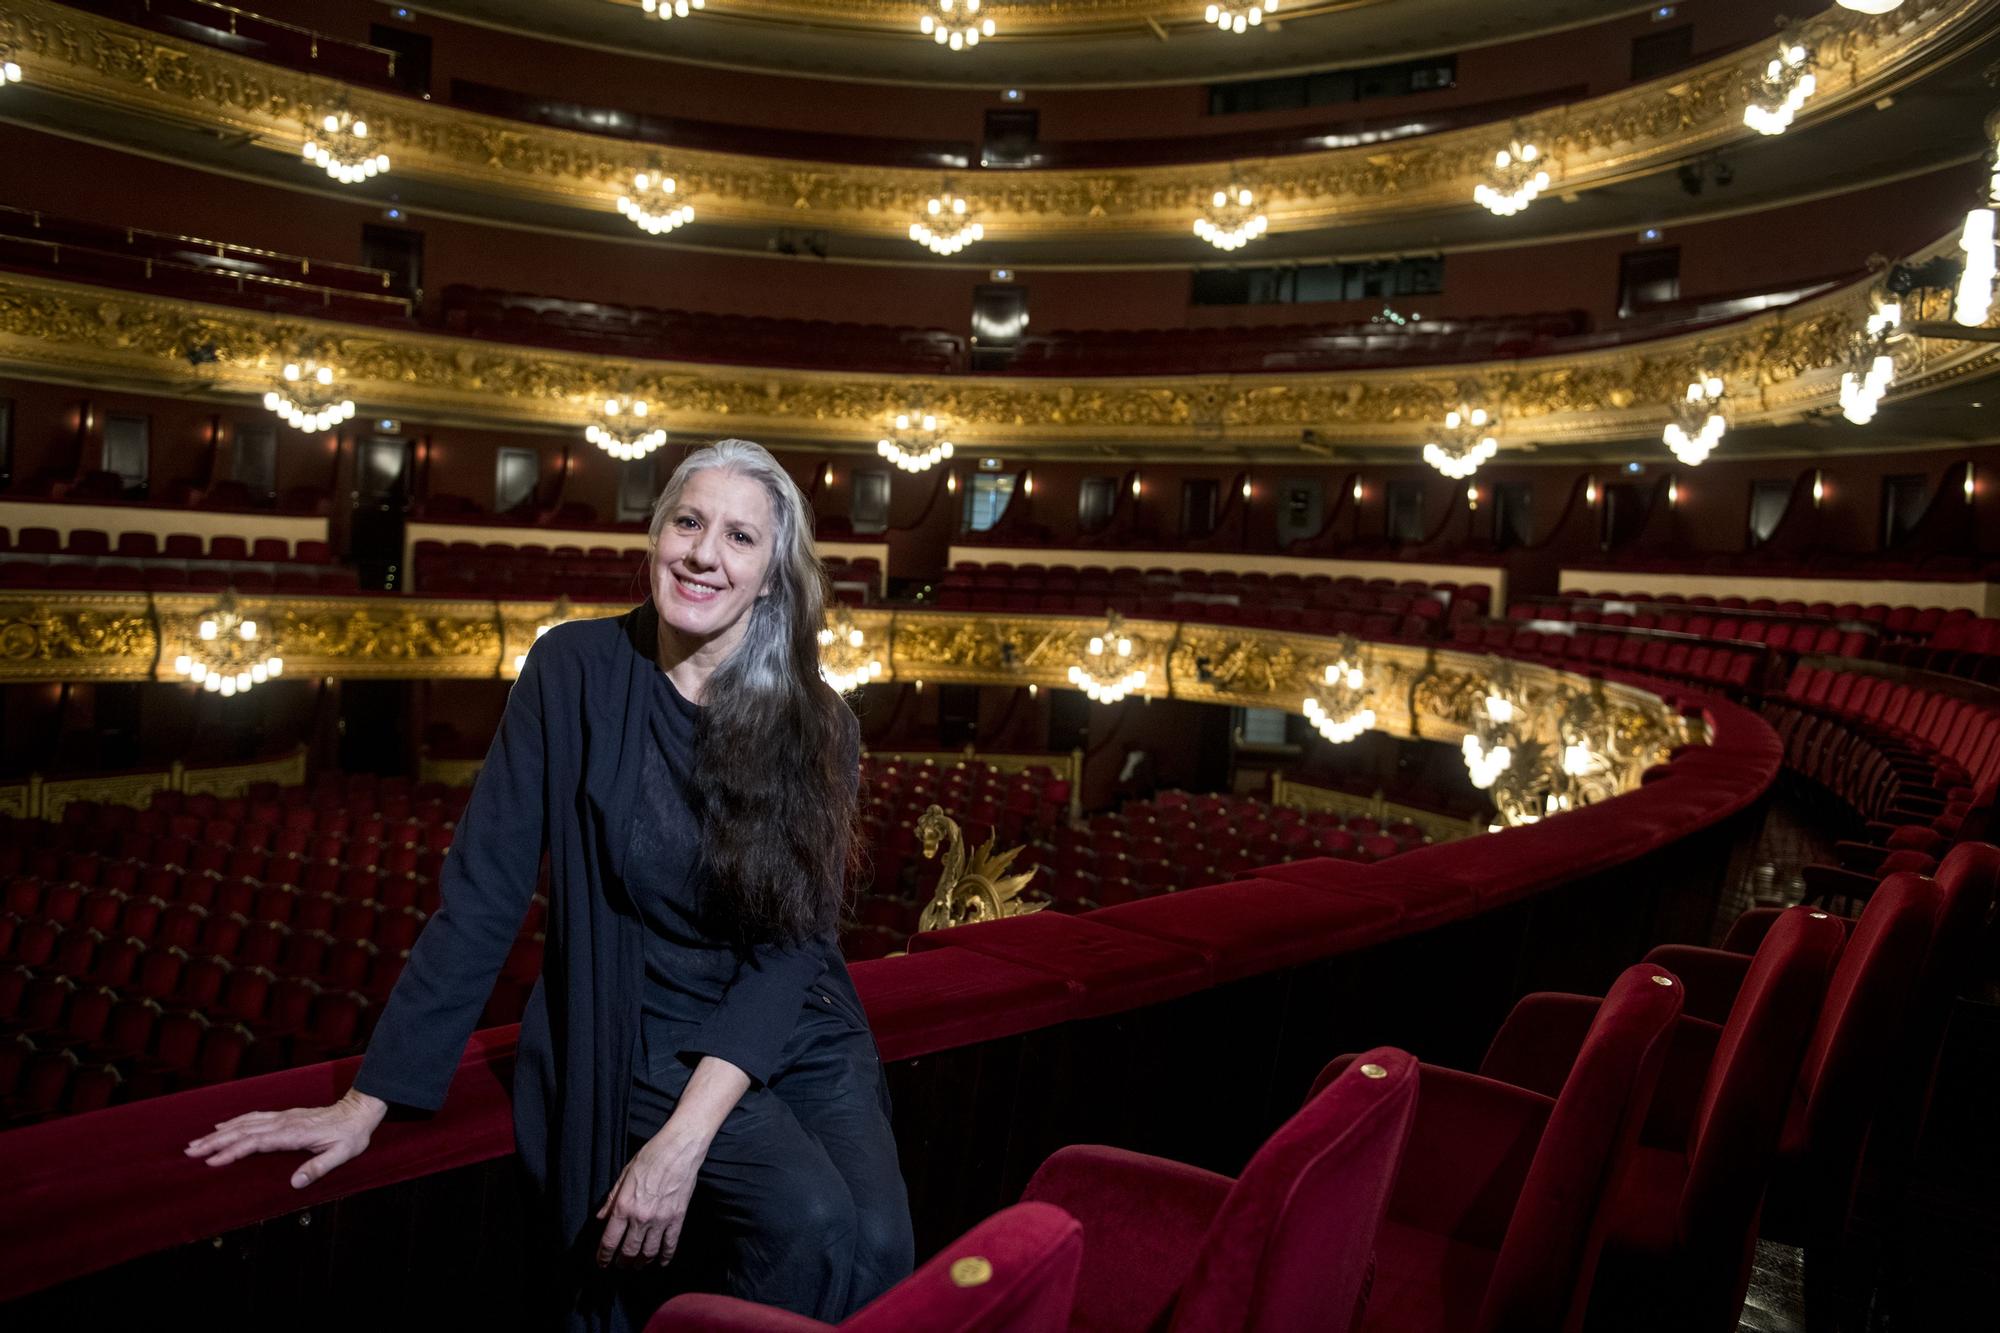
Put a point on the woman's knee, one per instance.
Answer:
(883, 1240)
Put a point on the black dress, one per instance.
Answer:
(800, 1201)
(562, 778)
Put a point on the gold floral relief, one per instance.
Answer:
(53, 636)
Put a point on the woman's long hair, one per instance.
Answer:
(774, 749)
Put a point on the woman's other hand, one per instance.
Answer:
(333, 1134)
(649, 1202)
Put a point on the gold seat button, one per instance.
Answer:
(1374, 1071)
(1663, 981)
(970, 1271)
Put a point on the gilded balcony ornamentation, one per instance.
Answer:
(1600, 141)
(1784, 364)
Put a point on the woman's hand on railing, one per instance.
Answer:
(333, 1134)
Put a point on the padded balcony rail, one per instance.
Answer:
(1108, 996)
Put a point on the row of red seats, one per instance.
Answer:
(531, 569)
(1888, 622)
(1732, 1091)
(1922, 765)
(1967, 647)
(95, 543)
(1845, 566)
(1734, 669)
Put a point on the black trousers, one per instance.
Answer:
(800, 1202)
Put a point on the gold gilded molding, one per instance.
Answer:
(1782, 365)
(1041, 18)
(1592, 143)
(1417, 691)
(75, 636)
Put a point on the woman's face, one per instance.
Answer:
(713, 559)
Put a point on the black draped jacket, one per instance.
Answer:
(561, 776)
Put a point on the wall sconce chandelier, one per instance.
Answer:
(1974, 301)
(306, 397)
(1786, 83)
(916, 441)
(671, 9)
(225, 658)
(1235, 16)
(339, 145)
(10, 69)
(624, 429)
(1871, 369)
(653, 205)
(1105, 672)
(1338, 706)
(1467, 442)
(1516, 177)
(1698, 423)
(1231, 219)
(844, 658)
(947, 225)
(955, 24)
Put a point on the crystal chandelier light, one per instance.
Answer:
(1235, 16)
(1786, 83)
(1515, 179)
(307, 399)
(226, 658)
(624, 429)
(1468, 441)
(1499, 729)
(653, 205)
(956, 24)
(916, 442)
(844, 659)
(10, 69)
(340, 146)
(947, 225)
(1974, 301)
(1106, 673)
(671, 9)
(1698, 422)
(1870, 367)
(1230, 219)
(1338, 706)
(1871, 6)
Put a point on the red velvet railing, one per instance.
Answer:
(69, 1207)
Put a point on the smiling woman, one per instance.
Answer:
(694, 1059)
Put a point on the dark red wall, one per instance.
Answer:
(1597, 57)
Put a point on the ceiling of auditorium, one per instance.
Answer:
(1039, 44)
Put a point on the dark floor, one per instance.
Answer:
(1926, 1255)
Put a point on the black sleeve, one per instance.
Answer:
(485, 886)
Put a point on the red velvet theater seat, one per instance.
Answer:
(1500, 1207)
(1013, 1273)
(1684, 1221)
(1284, 1248)
(1840, 1086)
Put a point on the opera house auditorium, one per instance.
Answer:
(1137, 666)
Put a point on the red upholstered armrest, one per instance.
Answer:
(1711, 977)
(1469, 1151)
(1143, 1222)
(1025, 1283)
